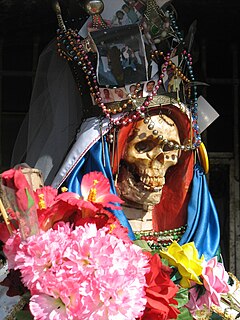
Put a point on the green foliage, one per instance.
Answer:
(185, 314)
(23, 315)
(142, 244)
(182, 297)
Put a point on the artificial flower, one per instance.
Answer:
(93, 273)
(185, 259)
(11, 247)
(21, 199)
(18, 189)
(70, 206)
(215, 281)
(44, 307)
(95, 187)
(45, 197)
(160, 292)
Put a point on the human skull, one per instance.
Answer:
(149, 152)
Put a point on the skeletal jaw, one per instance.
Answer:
(133, 189)
(152, 183)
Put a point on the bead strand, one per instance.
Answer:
(158, 240)
(173, 23)
(193, 100)
(75, 51)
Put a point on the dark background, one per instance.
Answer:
(26, 27)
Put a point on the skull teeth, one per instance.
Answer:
(155, 183)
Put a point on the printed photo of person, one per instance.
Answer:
(120, 61)
(128, 58)
(132, 90)
(120, 94)
(131, 13)
(170, 80)
(148, 87)
(103, 53)
(112, 15)
(106, 95)
(120, 19)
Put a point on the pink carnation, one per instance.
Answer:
(215, 281)
(91, 272)
(11, 247)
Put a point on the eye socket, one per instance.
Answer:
(168, 147)
(144, 146)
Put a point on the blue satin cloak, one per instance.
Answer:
(202, 223)
(93, 161)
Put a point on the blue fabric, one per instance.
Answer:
(92, 161)
(202, 224)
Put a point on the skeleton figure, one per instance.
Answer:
(147, 157)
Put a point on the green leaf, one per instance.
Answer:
(176, 276)
(165, 262)
(185, 314)
(182, 297)
(23, 315)
(31, 202)
(142, 244)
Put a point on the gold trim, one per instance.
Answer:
(203, 157)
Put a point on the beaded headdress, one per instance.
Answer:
(164, 41)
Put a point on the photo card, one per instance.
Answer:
(121, 58)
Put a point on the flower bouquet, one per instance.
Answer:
(69, 258)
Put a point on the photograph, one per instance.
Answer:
(121, 59)
(118, 13)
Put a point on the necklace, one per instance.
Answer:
(158, 240)
(74, 49)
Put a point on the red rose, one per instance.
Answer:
(160, 292)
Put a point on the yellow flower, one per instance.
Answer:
(185, 259)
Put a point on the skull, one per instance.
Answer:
(149, 152)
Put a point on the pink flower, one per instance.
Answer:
(94, 274)
(44, 307)
(11, 247)
(215, 281)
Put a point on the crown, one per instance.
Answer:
(81, 55)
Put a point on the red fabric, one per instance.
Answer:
(171, 212)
